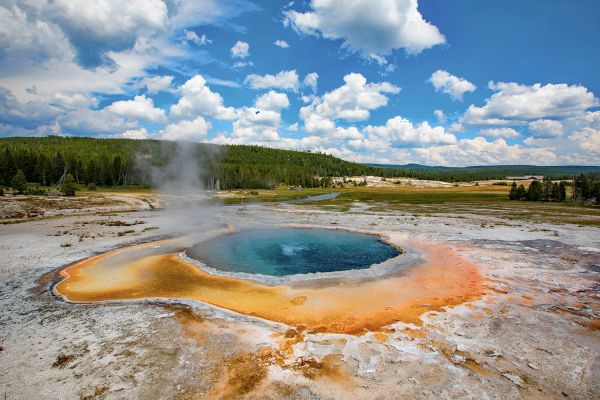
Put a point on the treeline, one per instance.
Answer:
(539, 191)
(586, 188)
(487, 172)
(135, 162)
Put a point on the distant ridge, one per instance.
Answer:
(474, 172)
(125, 161)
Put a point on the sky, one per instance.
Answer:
(437, 82)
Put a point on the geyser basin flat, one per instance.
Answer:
(147, 272)
(291, 251)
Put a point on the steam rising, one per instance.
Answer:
(185, 185)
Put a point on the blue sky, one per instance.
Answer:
(439, 82)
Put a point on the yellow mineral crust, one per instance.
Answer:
(350, 306)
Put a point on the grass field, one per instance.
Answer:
(484, 200)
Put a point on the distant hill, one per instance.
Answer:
(481, 172)
(124, 161)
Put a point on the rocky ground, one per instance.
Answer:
(534, 334)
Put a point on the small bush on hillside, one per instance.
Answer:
(68, 187)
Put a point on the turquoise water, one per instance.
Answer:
(290, 251)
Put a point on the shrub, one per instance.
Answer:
(36, 191)
(68, 187)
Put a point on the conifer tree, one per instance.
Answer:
(547, 189)
(521, 193)
(562, 191)
(19, 182)
(535, 191)
(555, 196)
(513, 194)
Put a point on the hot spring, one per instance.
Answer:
(292, 251)
(283, 275)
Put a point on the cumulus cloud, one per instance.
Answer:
(285, 80)
(156, 84)
(187, 130)
(73, 101)
(368, 27)
(136, 134)
(515, 103)
(281, 43)
(272, 101)
(95, 28)
(497, 133)
(479, 151)
(94, 122)
(400, 132)
(450, 84)
(351, 102)
(27, 114)
(240, 50)
(82, 46)
(24, 41)
(311, 80)
(588, 140)
(546, 128)
(140, 107)
(198, 99)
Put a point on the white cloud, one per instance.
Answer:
(272, 101)
(281, 43)
(97, 27)
(222, 82)
(73, 101)
(546, 128)
(156, 84)
(89, 122)
(399, 132)
(441, 117)
(261, 122)
(187, 130)
(285, 80)
(450, 84)
(27, 114)
(497, 133)
(588, 140)
(141, 107)
(192, 36)
(198, 99)
(85, 47)
(515, 103)
(22, 39)
(242, 64)
(203, 12)
(257, 124)
(478, 151)
(350, 102)
(240, 50)
(311, 80)
(136, 134)
(368, 27)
